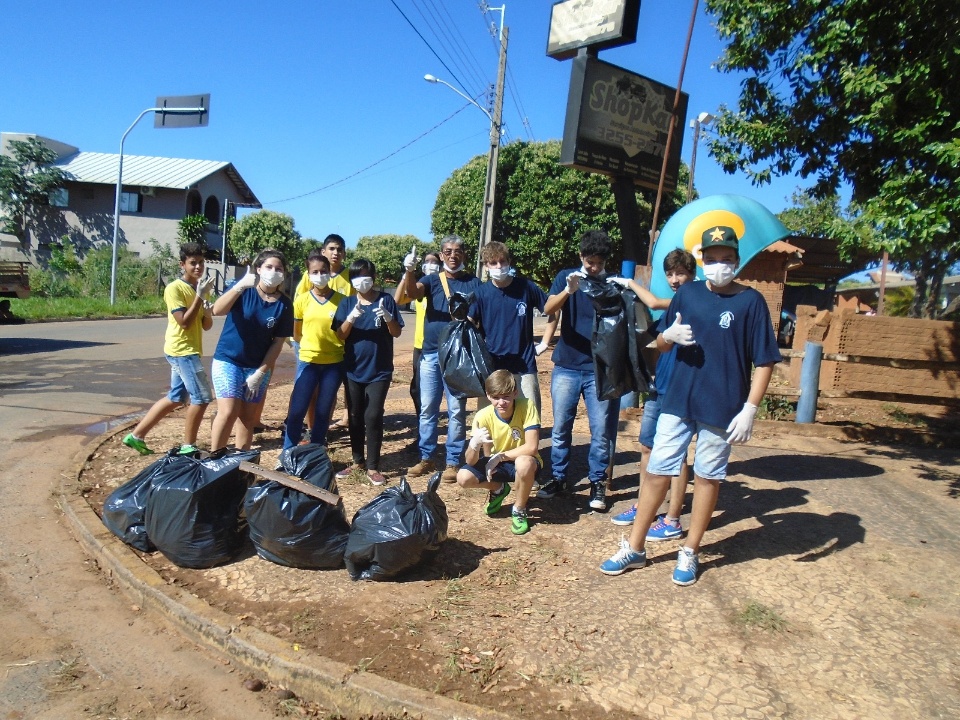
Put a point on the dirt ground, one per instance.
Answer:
(527, 625)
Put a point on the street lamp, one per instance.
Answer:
(703, 118)
(490, 187)
(203, 110)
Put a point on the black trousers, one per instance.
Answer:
(365, 410)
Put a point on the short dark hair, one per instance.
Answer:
(334, 238)
(595, 242)
(191, 249)
(434, 253)
(680, 259)
(362, 266)
(268, 253)
(317, 254)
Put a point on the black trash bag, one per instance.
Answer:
(290, 528)
(395, 531)
(611, 351)
(193, 511)
(125, 509)
(640, 327)
(462, 353)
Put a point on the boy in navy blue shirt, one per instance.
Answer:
(721, 330)
(504, 308)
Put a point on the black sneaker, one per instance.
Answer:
(598, 495)
(551, 489)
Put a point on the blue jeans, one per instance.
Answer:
(671, 443)
(314, 375)
(188, 379)
(566, 387)
(432, 387)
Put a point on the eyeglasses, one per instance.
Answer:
(451, 251)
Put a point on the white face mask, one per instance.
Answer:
(430, 268)
(719, 274)
(501, 273)
(583, 269)
(452, 270)
(320, 280)
(362, 284)
(271, 278)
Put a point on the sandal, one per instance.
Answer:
(337, 426)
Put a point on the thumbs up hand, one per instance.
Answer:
(411, 260)
(382, 313)
(678, 333)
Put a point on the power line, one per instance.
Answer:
(425, 42)
(371, 165)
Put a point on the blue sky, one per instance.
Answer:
(306, 94)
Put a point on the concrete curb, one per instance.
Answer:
(307, 674)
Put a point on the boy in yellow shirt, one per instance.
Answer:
(503, 448)
(188, 316)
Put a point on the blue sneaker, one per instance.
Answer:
(662, 530)
(687, 565)
(624, 559)
(626, 517)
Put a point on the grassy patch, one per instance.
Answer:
(568, 674)
(902, 416)
(36, 309)
(758, 615)
(773, 407)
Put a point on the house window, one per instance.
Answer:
(194, 203)
(59, 197)
(131, 202)
(211, 210)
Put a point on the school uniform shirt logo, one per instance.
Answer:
(515, 434)
(521, 309)
(271, 321)
(726, 319)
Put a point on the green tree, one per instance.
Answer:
(193, 228)
(542, 207)
(858, 94)
(267, 229)
(26, 180)
(386, 252)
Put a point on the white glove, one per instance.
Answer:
(480, 438)
(384, 315)
(411, 260)
(253, 383)
(678, 333)
(205, 286)
(741, 427)
(247, 281)
(540, 348)
(355, 313)
(622, 282)
(492, 464)
(573, 282)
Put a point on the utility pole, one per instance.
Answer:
(490, 188)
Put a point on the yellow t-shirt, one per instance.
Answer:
(340, 283)
(420, 308)
(181, 341)
(509, 434)
(318, 342)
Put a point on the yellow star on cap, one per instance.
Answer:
(717, 234)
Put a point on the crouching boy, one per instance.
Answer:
(503, 448)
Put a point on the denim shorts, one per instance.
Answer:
(188, 379)
(670, 448)
(230, 381)
(648, 421)
(504, 472)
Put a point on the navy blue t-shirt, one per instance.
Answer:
(437, 314)
(733, 333)
(506, 317)
(368, 349)
(574, 350)
(664, 370)
(251, 327)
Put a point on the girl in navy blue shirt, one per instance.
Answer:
(367, 323)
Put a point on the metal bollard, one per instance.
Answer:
(809, 382)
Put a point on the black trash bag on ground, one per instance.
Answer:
(125, 509)
(395, 531)
(194, 508)
(462, 352)
(290, 528)
(620, 337)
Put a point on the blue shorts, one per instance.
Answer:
(504, 472)
(188, 380)
(230, 382)
(671, 443)
(648, 421)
